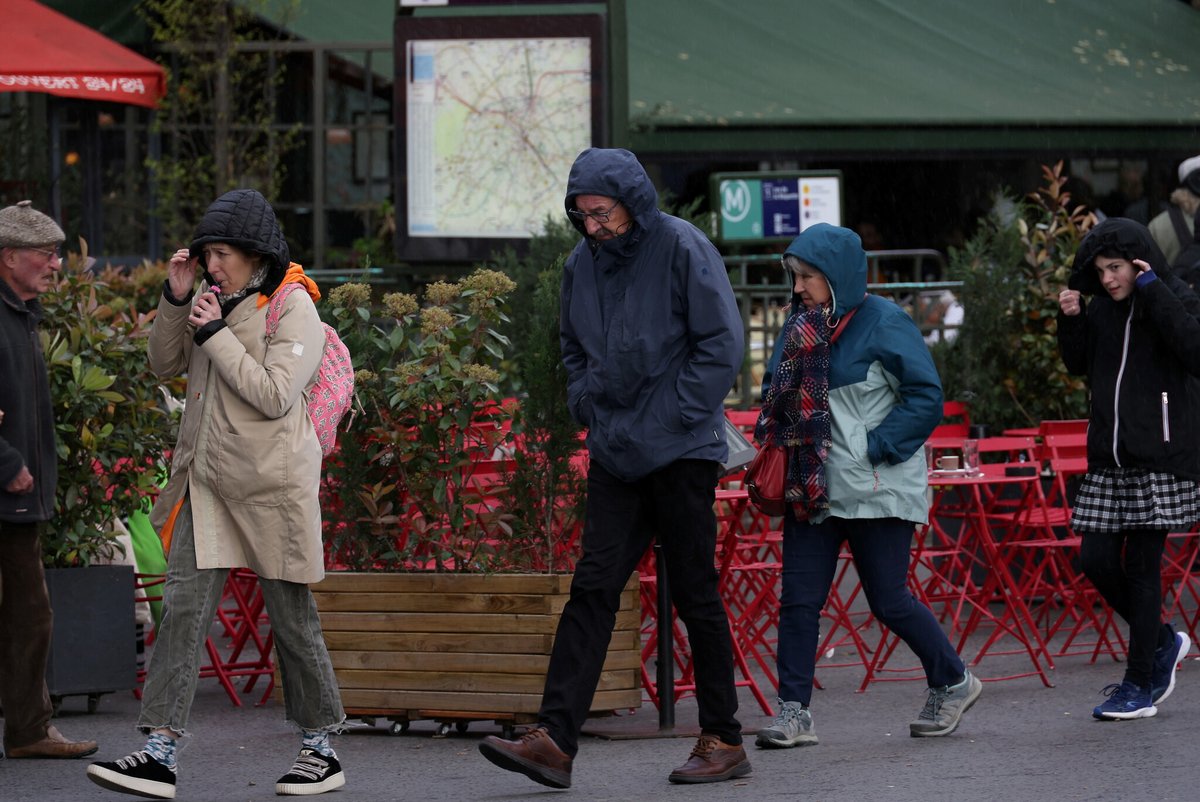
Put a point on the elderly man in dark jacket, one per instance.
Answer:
(29, 242)
(652, 340)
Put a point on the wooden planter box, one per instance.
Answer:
(461, 646)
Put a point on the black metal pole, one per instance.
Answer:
(666, 646)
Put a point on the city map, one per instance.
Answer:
(493, 127)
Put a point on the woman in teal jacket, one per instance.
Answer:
(853, 394)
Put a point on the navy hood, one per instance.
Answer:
(1115, 237)
(838, 253)
(614, 173)
(243, 218)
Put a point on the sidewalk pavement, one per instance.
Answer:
(1021, 742)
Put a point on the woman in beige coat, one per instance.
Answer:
(243, 487)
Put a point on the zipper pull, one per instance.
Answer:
(1166, 421)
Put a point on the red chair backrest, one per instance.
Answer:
(949, 427)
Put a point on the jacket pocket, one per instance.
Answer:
(252, 470)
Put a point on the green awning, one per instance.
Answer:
(735, 76)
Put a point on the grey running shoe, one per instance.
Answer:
(792, 727)
(945, 707)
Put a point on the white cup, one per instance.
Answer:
(948, 463)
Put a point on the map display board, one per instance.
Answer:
(758, 207)
(495, 110)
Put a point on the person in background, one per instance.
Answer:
(946, 317)
(243, 489)
(1135, 340)
(652, 341)
(1187, 264)
(853, 395)
(1173, 229)
(29, 260)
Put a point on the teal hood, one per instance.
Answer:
(838, 253)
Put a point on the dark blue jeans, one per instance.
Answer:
(881, 548)
(674, 504)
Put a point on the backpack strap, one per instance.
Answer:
(275, 306)
(1176, 215)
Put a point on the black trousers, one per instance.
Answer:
(674, 504)
(1126, 567)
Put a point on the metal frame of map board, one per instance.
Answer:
(409, 29)
(760, 205)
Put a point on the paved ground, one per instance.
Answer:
(1022, 742)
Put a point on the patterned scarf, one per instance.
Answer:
(795, 410)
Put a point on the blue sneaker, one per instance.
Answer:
(1125, 701)
(1166, 661)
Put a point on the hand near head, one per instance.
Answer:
(21, 483)
(1069, 302)
(1142, 266)
(181, 273)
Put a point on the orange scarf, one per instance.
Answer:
(295, 274)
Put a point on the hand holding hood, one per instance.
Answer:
(244, 218)
(1116, 236)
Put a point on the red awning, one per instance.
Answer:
(45, 51)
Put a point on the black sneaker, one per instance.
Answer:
(137, 774)
(312, 773)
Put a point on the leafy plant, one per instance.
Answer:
(111, 428)
(547, 499)
(1005, 361)
(406, 479)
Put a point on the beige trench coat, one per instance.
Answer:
(247, 451)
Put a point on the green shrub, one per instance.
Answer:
(400, 493)
(111, 426)
(1005, 361)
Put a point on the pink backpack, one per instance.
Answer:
(333, 391)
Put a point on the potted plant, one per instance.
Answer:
(111, 431)
(1005, 361)
(450, 608)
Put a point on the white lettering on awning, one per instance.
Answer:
(92, 83)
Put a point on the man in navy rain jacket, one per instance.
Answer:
(652, 341)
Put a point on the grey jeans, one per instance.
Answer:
(190, 599)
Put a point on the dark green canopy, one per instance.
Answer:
(810, 74)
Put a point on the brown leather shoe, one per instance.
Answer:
(534, 754)
(712, 761)
(54, 745)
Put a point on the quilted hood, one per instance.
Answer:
(243, 218)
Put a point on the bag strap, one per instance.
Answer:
(841, 326)
(1176, 215)
(275, 306)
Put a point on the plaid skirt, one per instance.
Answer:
(1116, 499)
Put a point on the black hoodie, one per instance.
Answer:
(1141, 356)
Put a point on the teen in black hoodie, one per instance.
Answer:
(1138, 341)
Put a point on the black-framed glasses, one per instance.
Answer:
(49, 253)
(602, 216)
